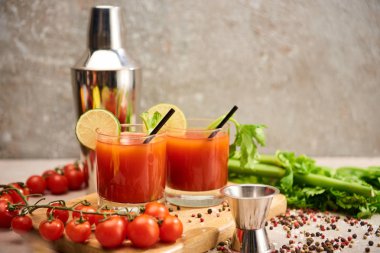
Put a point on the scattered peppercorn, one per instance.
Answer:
(370, 243)
(199, 215)
(222, 243)
(209, 211)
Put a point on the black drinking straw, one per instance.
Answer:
(224, 121)
(160, 125)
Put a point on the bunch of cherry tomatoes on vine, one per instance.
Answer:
(111, 228)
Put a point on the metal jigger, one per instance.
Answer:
(250, 204)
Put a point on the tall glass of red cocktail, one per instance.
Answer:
(129, 171)
(196, 164)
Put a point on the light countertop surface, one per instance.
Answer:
(13, 170)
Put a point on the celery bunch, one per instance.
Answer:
(305, 184)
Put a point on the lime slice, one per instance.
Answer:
(177, 120)
(94, 119)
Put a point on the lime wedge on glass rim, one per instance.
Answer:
(177, 120)
(92, 120)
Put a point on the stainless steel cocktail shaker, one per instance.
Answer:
(106, 76)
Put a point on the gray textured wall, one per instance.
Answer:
(310, 70)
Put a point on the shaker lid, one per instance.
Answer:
(105, 48)
(104, 31)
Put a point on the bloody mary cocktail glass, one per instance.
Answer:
(196, 164)
(130, 172)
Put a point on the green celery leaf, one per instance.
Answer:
(309, 192)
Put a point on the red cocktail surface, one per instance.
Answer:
(130, 171)
(196, 162)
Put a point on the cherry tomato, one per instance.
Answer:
(157, 210)
(75, 178)
(106, 213)
(36, 184)
(78, 231)
(22, 224)
(5, 215)
(89, 217)
(143, 231)
(171, 229)
(57, 184)
(15, 196)
(46, 175)
(112, 232)
(63, 215)
(51, 230)
(6, 197)
(68, 167)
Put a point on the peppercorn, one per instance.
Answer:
(199, 215)
(370, 243)
(209, 211)
(367, 249)
(309, 241)
(170, 209)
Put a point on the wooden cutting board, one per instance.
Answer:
(197, 236)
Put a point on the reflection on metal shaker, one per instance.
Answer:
(105, 77)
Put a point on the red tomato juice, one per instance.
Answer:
(196, 162)
(130, 171)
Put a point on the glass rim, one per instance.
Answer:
(223, 128)
(131, 137)
(274, 190)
